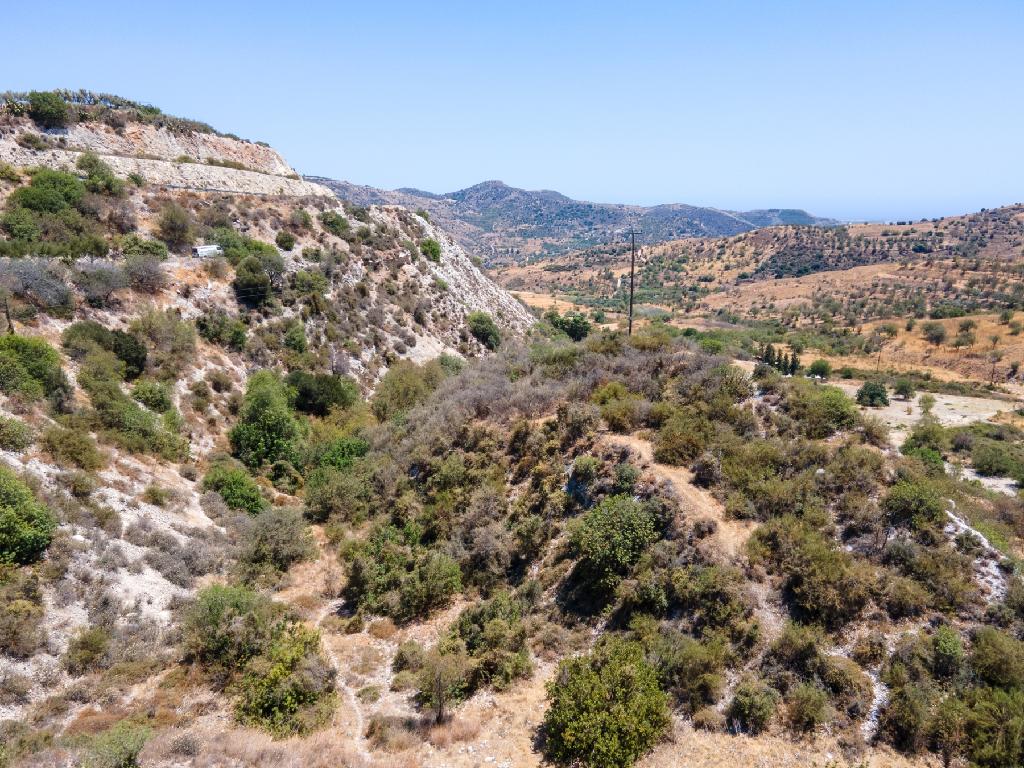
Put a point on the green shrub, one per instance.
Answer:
(318, 393)
(30, 367)
(334, 223)
(72, 447)
(121, 420)
(118, 747)
(252, 284)
(100, 177)
(135, 245)
(992, 460)
(443, 679)
(822, 583)
(225, 627)
(611, 537)
(171, 341)
(82, 337)
(285, 240)
(914, 502)
(218, 327)
(26, 526)
(174, 226)
(495, 638)
(276, 539)
(605, 709)
(821, 411)
(342, 453)
(154, 395)
(48, 109)
(682, 438)
(86, 650)
(752, 706)
(947, 652)
(431, 585)
(573, 324)
(15, 435)
(997, 659)
(290, 688)
(872, 394)
(431, 249)
(404, 386)
(235, 486)
(904, 388)
(807, 707)
(266, 430)
(295, 338)
(820, 368)
(483, 328)
(331, 493)
(21, 612)
(904, 720)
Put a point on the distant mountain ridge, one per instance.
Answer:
(502, 223)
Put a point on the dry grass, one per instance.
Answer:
(251, 749)
(382, 629)
(455, 730)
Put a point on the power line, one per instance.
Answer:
(633, 232)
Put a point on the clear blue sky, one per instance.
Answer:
(876, 110)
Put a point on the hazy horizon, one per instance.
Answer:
(859, 112)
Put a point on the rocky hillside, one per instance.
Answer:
(505, 224)
(128, 366)
(167, 152)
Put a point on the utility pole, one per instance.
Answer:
(633, 232)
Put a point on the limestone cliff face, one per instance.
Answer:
(189, 161)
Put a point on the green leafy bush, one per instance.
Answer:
(289, 689)
(218, 327)
(225, 627)
(48, 109)
(121, 420)
(483, 328)
(26, 526)
(604, 709)
(495, 639)
(318, 393)
(118, 747)
(682, 438)
(405, 385)
(266, 430)
(276, 539)
(154, 395)
(916, 503)
(86, 650)
(72, 447)
(82, 337)
(15, 435)
(334, 223)
(171, 342)
(752, 706)
(431, 249)
(252, 284)
(100, 177)
(807, 706)
(175, 227)
(873, 394)
(285, 240)
(611, 537)
(30, 368)
(235, 486)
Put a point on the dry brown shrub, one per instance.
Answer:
(455, 730)
(383, 629)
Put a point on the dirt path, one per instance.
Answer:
(696, 503)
